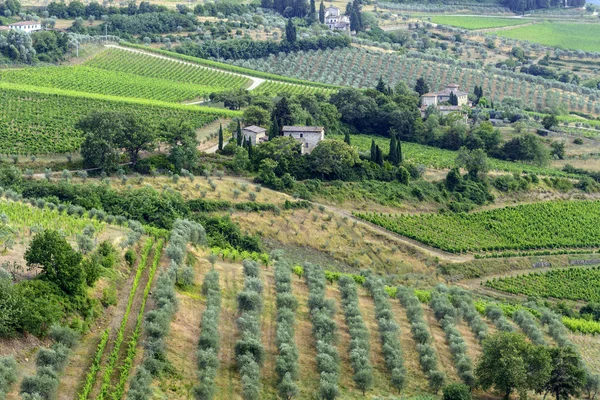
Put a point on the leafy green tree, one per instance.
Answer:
(181, 136)
(456, 391)
(332, 158)
(568, 376)
(549, 121)
(255, 115)
(558, 149)
(505, 364)
(282, 112)
(57, 260)
(527, 147)
(347, 139)
(474, 161)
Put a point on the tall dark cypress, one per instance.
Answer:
(274, 129)
(393, 156)
(373, 151)
(378, 156)
(347, 137)
(399, 152)
(239, 133)
(220, 137)
(322, 12)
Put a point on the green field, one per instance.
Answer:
(564, 35)
(571, 284)
(38, 120)
(548, 225)
(477, 22)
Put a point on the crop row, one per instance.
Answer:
(287, 359)
(158, 321)
(249, 350)
(496, 315)
(359, 335)
(527, 323)
(275, 88)
(388, 333)
(420, 331)
(208, 343)
(447, 315)
(324, 331)
(157, 68)
(37, 120)
(133, 341)
(114, 355)
(90, 377)
(461, 299)
(552, 224)
(95, 80)
(570, 283)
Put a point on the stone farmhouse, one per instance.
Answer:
(255, 134)
(437, 99)
(335, 20)
(308, 136)
(26, 26)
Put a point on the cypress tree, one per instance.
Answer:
(322, 13)
(393, 156)
(239, 133)
(290, 32)
(378, 156)
(220, 137)
(373, 151)
(399, 152)
(250, 152)
(274, 129)
(347, 137)
(313, 11)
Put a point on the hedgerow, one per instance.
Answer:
(359, 335)
(427, 356)
(447, 316)
(388, 333)
(526, 322)
(287, 359)
(462, 300)
(324, 331)
(497, 316)
(249, 350)
(49, 362)
(208, 343)
(8, 375)
(157, 321)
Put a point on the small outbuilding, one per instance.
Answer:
(308, 136)
(254, 134)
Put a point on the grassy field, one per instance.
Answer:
(564, 35)
(477, 22)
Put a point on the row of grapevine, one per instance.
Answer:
(388, 333)
(570, 283)
(208, 343)
(38, 120)
(90, 377)
(322, 311)
(420, 331)
(551, 225)
(157, 68)
(49, 364)
(114, 355)
(127, 364)
(275, 88)
(287, 359)
(157, 322)
(461, 299)
(447, 315)
(249, 350)
(359, 335)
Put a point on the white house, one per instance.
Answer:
(26, 26)
(335, 20)
(308, 136)
(254, 133)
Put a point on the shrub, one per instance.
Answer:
(63, 335)
(456, 391)
(8, 375)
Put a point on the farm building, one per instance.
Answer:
(308, 136)
(26, 26)
(254, 134)
(438, 99)
(335, 20)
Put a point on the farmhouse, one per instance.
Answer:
(26, 26)
(308, 136)
(438, 99)
(335, 20)
(254, 134)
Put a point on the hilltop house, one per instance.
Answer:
(254, 134)
(308, 136)
(335, 20)
(26, 26)
(438, 98)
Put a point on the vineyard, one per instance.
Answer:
(477, 22)
(40, 120)
(361, 68)
(563, 35)
(437, 158)
(162, 69)
(569, 284)
(548, 225)
(273, 88)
